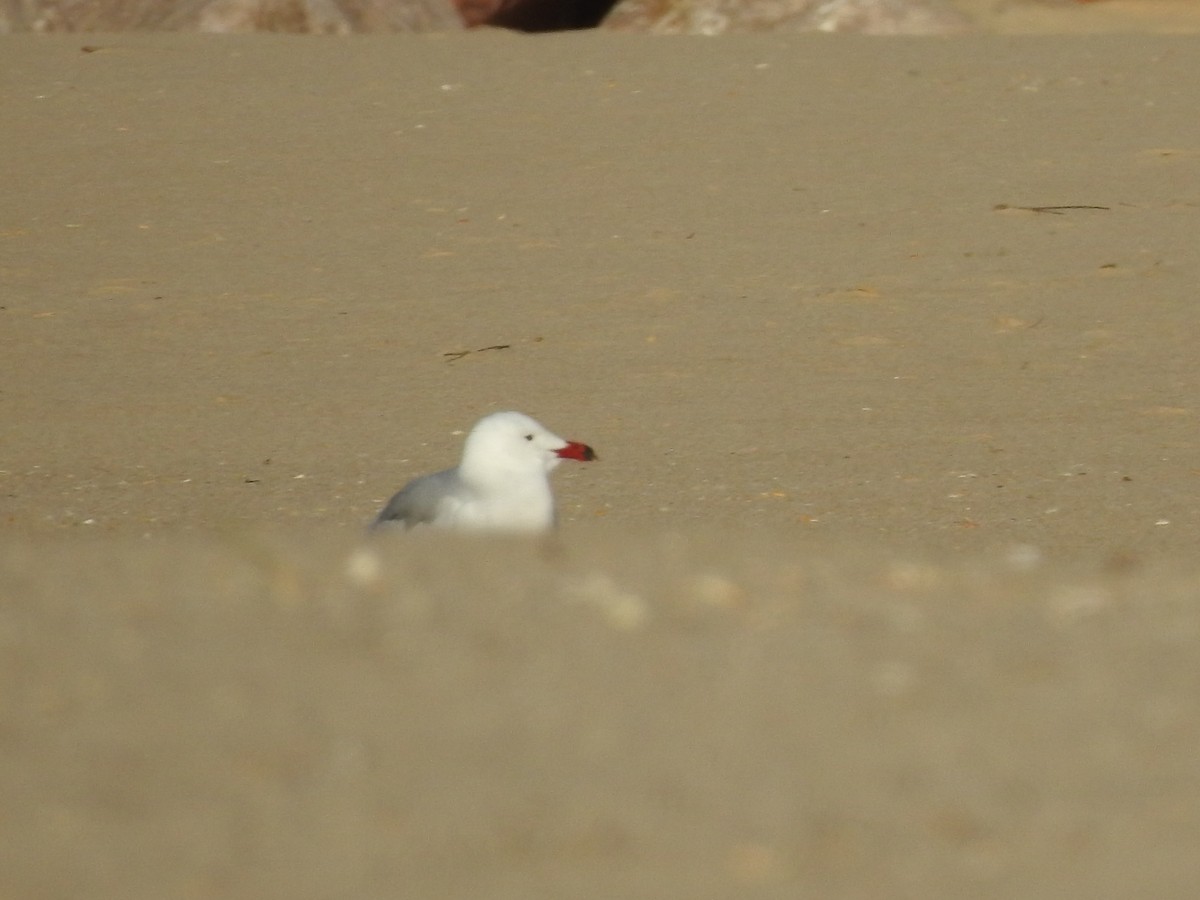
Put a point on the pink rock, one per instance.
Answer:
(296, 16)
(328, 16)
(721, 16)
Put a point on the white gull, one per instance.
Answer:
(501, 484)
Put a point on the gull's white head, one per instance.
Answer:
(510, 444)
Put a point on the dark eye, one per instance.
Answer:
(529, 437)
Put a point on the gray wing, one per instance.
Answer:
(417, 503)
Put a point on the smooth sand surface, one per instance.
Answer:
(885, 583)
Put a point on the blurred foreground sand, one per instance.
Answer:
(640, 715)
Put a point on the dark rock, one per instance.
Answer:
(550, 15)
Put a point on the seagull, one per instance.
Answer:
(501, 484)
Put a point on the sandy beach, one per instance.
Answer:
(884, 584)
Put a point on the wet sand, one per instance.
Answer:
(884, 584)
